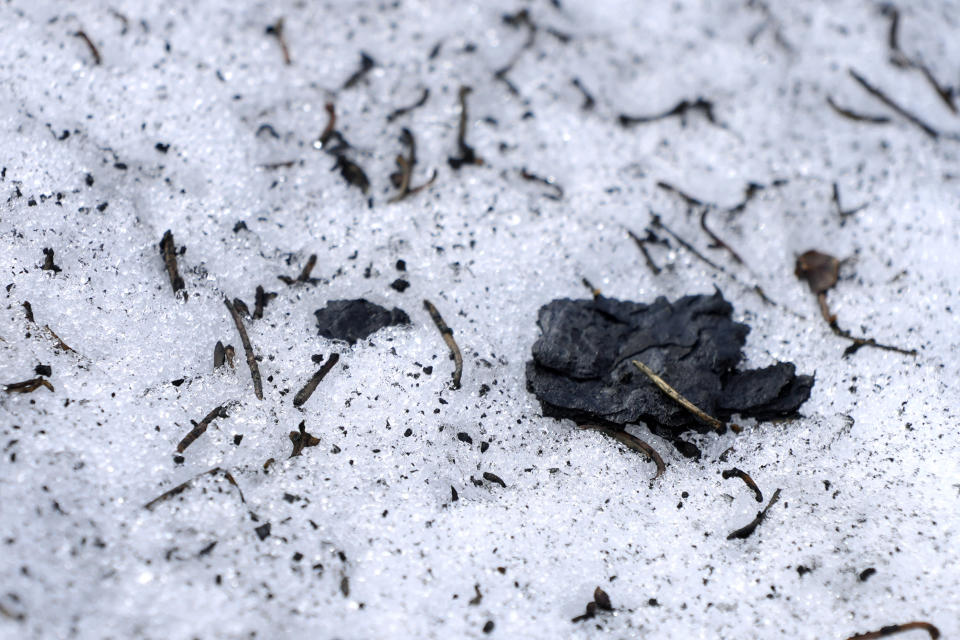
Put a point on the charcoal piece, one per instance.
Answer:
(582, 364)
(352, 320)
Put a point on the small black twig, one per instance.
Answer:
(304, 394)
(93, 49)
(276, 30)
(743, 475)
(857, 117)
(642, 245)
(447, 334)
(631, 442)
(396, 113)
(28, 386)
(882, 97)
(177, 490)
(716, 239)
(844, 213)
(466, 154)
(549, 182)
(889, 630)
(261, 299)
(681, 110)
(744, 532)
(248, 349)
(401, 179)
(199, 428)
(366, 64)
(169, 252)
(588, 101)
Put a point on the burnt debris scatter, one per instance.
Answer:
(353, 320)
(821, 271)
(583, 365)
(169, 252)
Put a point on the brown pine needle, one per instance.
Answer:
(248, 349)
(631, 442)
(679, 399)
(447, 334)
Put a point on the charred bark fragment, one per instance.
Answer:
(582, 366)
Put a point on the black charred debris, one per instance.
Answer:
(353, 320)
(582, 366)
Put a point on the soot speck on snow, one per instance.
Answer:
(582, 366)
(352, 320)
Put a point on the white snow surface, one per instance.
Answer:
(365, 540)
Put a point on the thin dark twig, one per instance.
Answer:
(681, 109)
(93, 49)
(642, 245)
(169, 252)
(276, 30)
(588, 101)
(882, 97)
(716, 239)
(396, 113)
(304, 394)
(889, 630)
(840, 210)
(261, 299)
(744, 532)
(402, 178)
(549, 182)
(466, 154)
(743, 475)
(447, 334)
(658, 223)
(199, 428)
(901, 59)
(366, 64)
(248, 349)
(181, 487)
(858, 117)
(631, 442)
(28, 386)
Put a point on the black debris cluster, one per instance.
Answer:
(582, 365)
